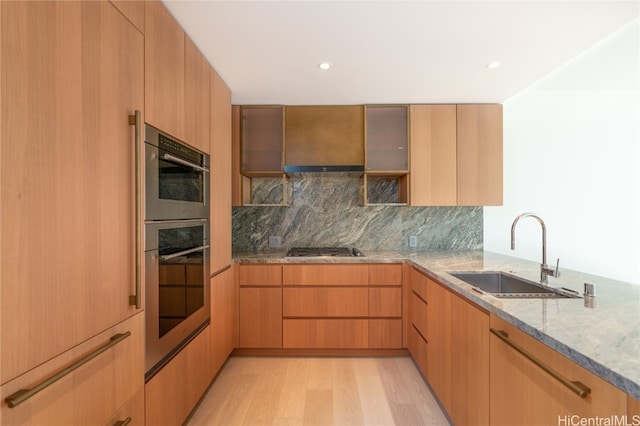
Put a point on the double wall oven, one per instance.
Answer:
(176, 246)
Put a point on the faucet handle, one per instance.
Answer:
(556, 272)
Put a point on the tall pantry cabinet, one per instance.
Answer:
(71, 74)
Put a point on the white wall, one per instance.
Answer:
(572, 156)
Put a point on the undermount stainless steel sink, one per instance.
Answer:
(505, 285)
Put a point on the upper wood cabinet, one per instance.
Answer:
(76, 71)
(220, 173)
(262, 140)
(456, 155)
(386, 139)
(197, 98)
(479, 159)
(164, 78)
(433, 179)
(324, 135)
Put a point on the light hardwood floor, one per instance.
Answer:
(318, 391)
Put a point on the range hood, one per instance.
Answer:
(320, 139)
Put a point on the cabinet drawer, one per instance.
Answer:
(418, 313)
(385, 334)
(267, 275)
(325, 302)
(385, 274)
(172, 393)
(326, 333)
(419, 284)
(385, 302)
(338, 275)
(132, 409)
(115, 375)
(418, 349)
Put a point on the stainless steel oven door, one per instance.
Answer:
(176, 287)
(176, 179)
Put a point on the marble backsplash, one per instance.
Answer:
(324, 210)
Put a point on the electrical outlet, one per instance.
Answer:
(413, 241)
(274, 241)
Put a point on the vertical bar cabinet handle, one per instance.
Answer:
(137, 121)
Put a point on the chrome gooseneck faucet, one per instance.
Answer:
(545, 270)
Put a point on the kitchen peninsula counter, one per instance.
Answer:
(604, 339)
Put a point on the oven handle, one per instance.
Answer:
(182, 162)
(182, 253)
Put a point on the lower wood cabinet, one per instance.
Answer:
(260, 306)
(223, 318)
(633, 410)
(522, 393)
(132, 411)
(260, 317)
(469, 364)
(439, 349)
(173, 392)
(342, 306)
(102, 388)
(320, 306)
(448, 340)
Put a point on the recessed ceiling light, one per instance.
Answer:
(324, 65)
(493, 65)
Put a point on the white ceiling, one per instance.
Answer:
(392, 51)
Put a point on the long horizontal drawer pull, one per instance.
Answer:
(576, 387)
(22, 395)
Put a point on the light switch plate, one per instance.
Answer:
(274, 241)
(413, 241)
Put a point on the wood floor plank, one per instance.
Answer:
(293, 398)
(373, 399)
(266, 397)
(318, 410)
(347, 409)
(294, 391)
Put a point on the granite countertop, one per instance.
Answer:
(604, 339)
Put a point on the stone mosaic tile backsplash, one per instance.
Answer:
(324, 211)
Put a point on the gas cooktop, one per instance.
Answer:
(323, 251)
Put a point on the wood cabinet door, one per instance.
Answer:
(223, 317)
(260, 317)
(220, 173)
(479, 159)
(197, 98)
(164, 75)
(470, 364)
(522, 393)
(172, 393)
(432, 179)
(438, 337)
(72, 73)
(93, 392)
